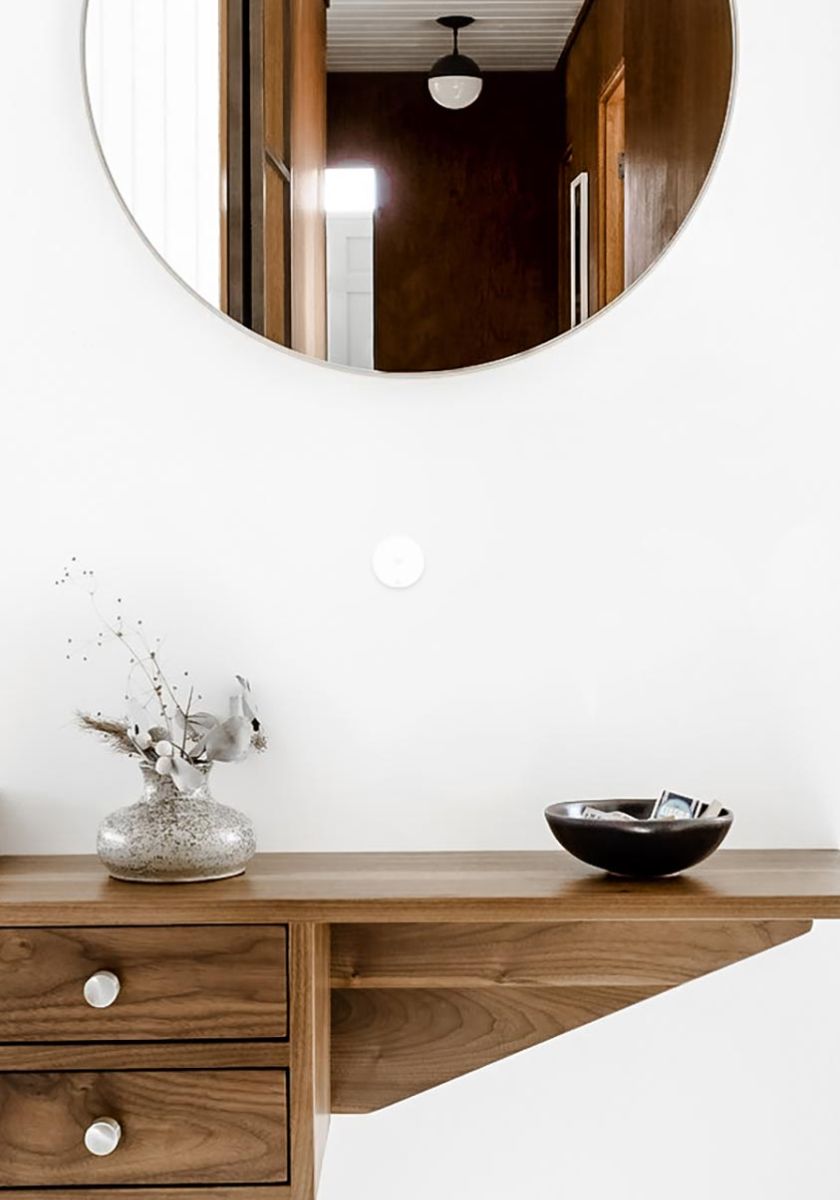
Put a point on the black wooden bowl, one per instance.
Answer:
(641, 849)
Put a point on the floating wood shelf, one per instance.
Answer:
(321, 983)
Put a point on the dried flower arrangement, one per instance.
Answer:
(175, 739)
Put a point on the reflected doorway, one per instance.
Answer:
(350, 202)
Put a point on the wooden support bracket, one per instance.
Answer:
(416, 1005)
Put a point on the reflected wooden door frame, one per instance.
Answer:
(255, 186)
(611, 188)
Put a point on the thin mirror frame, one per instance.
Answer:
(413, 376)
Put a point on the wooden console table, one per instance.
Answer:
(189, 1042)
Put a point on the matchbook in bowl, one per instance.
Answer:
(639, 847)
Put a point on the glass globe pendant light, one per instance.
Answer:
(455, 81)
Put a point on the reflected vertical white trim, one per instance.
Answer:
(579, 194)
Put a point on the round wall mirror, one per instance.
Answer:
(396, 187)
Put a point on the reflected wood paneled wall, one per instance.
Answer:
(680, 52)
(678, 68)
(465, 246)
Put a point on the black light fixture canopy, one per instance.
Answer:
(455, 80)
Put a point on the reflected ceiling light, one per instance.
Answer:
(455, 80)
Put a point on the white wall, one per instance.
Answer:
(633, 580)
(153, 75)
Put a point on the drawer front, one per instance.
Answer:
(176, 1128)
(177, 982)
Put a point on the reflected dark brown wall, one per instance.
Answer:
(678, 69)
(680, 53)
(466, 252)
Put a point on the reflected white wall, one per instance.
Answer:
(153, 76)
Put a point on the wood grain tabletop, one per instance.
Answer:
(452, 886)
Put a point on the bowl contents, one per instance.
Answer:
(669, 807)
(641, 839)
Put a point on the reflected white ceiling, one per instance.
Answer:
(401, 35)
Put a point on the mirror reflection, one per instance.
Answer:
(392, 186)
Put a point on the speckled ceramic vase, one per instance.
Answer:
(170, 837)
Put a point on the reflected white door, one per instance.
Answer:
(350, 289)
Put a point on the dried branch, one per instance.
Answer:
(115, 734)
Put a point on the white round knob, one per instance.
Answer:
(398, 562)
(103, 1136)
(102, 989)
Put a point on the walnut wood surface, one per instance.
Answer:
(190, 1127)
(405, 970)
(573, 954)
(280, 1191)
(414, 1006)
(496, 886)
(310, 1045)
(388, 1044)
(177, 983)
(148, 1056)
